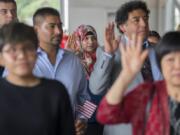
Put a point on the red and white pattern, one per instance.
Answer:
(87, 109)
(133, 110)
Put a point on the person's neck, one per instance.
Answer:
(51, 51)
(174, 92)
(126, 38)
(26, 81)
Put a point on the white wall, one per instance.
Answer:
(92, 16)
(95, 13)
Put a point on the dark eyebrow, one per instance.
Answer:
(11, 10)
(8, 9)
(51, 23)
(3, 9)
(137, 17)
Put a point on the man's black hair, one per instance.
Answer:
(8, 1)
(123, 11)
(41, 13)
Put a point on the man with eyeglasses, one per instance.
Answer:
(132, 19)
(8, 13)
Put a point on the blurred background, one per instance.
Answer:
(164, 16)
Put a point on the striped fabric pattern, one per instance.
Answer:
(87, 109)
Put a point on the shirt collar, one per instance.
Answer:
(39, 50)
(125, 40)
(60, 52)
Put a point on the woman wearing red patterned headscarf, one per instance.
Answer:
(83, 42)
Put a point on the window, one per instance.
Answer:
(26, 8)
(177, 13)
(177, 17)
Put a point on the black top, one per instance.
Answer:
(1, 70)
(174, 117)
(40, 110)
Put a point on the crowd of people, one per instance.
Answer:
(84, 88)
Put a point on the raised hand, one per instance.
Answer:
(71, 44)
(132, 59)
(133, 56)
(111, 43)
(80, 127)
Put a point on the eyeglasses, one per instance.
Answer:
(136, 19)
(6, 11)
(13, 51)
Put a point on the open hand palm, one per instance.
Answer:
(111, 44)
(133, 56)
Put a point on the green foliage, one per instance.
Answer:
(26, 8)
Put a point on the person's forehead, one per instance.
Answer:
(52, 19)
(173, 54)
(18, 44)
(137, 13)
(89, 36)
(7, 5)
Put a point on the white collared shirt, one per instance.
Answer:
(67, 69)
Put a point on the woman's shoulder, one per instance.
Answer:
(145, 88)
(53, 90)
(160, 85)
(53, 85)
(3, 81)
(149, 87)
(50, 81)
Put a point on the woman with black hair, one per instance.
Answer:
(29, 105)
(152, 107)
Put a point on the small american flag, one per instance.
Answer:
(87, 109)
